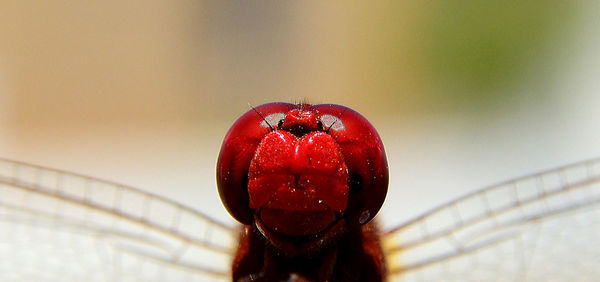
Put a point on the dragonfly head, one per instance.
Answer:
(301, 169)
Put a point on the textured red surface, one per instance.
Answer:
(300, 174)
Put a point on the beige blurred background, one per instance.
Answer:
(142, 92)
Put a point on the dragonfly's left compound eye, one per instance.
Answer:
(364, 156)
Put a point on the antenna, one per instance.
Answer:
(261, 116)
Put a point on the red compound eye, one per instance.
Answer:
(298, 166)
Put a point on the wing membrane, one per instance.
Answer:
(534, 228)
(56, 225)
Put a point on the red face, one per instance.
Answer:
(299, 169)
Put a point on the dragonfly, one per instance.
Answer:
(57, 225)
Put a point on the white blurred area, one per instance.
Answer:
(144, 94)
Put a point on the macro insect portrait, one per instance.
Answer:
(299, 141)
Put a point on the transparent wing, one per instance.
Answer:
(542, 227)
(56, 225)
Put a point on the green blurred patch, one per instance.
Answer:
(475, 51)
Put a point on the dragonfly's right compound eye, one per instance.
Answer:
(237, 152)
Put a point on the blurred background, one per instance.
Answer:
(142, 92)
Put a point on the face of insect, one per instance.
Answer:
(298, 170)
